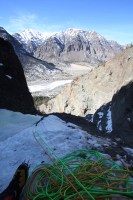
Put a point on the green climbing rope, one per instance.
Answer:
(93, 176)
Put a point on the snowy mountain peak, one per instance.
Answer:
(93, 34)
(30, 34)
(33, 36)
(72, 32)
(69, 30)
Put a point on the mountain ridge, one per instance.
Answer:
(71, 45)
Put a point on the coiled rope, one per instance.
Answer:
(82, 174)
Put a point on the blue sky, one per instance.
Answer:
(113, 19)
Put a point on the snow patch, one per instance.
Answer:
(100, 114)
(10, 77)
(98, 124)
(118, 139)
(109, 121)
(91, 120)
(39, 68)
(128, 150)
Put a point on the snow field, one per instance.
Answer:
(17, 142)
(49, 86)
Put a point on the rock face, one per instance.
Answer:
(122, 108)
(88, 93)
(72, 45)
(13, 87)
(116, 117)
(77, 46)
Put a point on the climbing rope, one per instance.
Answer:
(82, 174)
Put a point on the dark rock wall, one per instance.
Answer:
(121, 112)
(122, 108)
(14, 93)
(100, 117)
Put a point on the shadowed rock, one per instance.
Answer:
(14, 92)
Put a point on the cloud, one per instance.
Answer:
(21, 22)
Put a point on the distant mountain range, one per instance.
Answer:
(42, 53)
(72, 45)
(31, 65)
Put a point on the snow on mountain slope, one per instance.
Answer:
(39, 37)
(72, 33)
(69, 35)
(17, 142)
(31, 35)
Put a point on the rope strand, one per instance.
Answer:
(82, 174)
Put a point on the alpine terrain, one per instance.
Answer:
(82, 137)
(73, 52)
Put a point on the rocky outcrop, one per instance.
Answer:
(50, 50)
(122, 108)
(88, 93)
(13, 87)
(116, 117)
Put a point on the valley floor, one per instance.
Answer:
(53, 84)
(47, 88)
